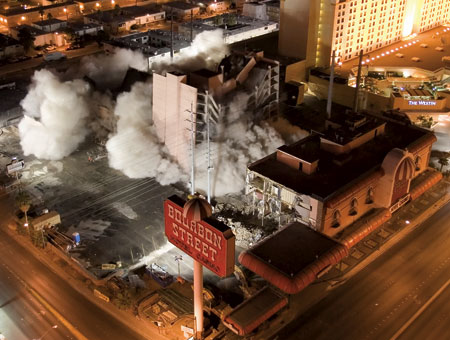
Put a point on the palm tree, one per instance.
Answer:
(23, 201)
(443, 161)
(41, 13)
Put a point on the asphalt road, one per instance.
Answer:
(379, 300)
(21, 315)
(434, 322)
(18, 263)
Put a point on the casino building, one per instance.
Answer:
(347, 26)
(360, 166)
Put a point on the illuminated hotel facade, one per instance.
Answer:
(347, 26)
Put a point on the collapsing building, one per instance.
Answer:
(360, 165)
(183, 103)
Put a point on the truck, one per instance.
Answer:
(159, 274)
(54, 56)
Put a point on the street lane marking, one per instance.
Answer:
(75, 332)
(420, 311)
(61, 319)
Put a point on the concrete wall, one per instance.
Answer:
(294, 25)
(342, 93)
(11, 51)
(172, 100)
(413, 104)
(296, 72)
(255, 10)
(150, 18)
(344, 207)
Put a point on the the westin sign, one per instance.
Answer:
(421, 102)
(208, 241)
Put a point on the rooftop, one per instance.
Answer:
(33, 30)
(110, 16)
(292, 267)
(20, 10)
(336, 171)
(242, 24)
(48, 22)
(7, 41)
(82, 26)
(296, 238)
(307, 149)
(180, 5)
(145, 42)
(254, 311)
(140, 10)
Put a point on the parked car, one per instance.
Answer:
(50, 48)
(73, 47)
(54, 56)
(23, 58)
(38, 55)
(13, 60)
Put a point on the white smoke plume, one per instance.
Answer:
(135, 149)
(238, 143)
(290, 133)
(54, 116)
(244, 144)
(108, 70)
(206, 51)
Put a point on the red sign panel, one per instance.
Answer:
(208, 241)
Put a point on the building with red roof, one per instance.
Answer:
(332, 178)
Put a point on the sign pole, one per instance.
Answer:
(192, 151)
(198, 299)
(190, 227)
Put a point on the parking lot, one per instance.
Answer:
(117, 218)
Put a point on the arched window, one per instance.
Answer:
(353, 207)
(417, 163)
(369, 196)
(336, 222)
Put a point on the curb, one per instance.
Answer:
(395, 239)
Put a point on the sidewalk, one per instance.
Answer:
(403, 221)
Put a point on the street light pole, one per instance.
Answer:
(178, 258)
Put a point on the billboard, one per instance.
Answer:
(208, 241)
(15, 166)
